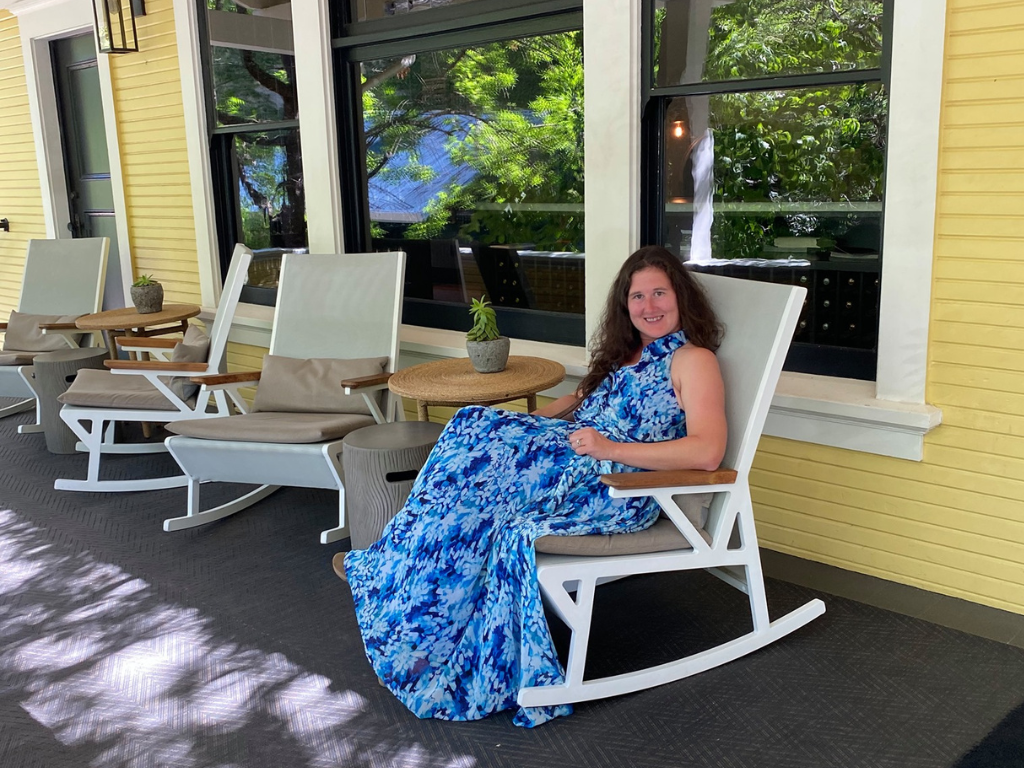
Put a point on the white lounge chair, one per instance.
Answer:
(333, 346)
(151, 391)
(759, 320)
(63, 279)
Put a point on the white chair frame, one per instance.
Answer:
(336, 306)
(759, 319)
(94, 426)
(61, 277)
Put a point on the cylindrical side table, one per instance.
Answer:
(381, 462)
(52, 371)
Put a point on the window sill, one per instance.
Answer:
(842, 413)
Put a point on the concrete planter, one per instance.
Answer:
(488, 356)
(148, 298)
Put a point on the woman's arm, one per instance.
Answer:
(697, 380)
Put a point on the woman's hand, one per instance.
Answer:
(589, 442)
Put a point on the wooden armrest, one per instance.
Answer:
(366, 381)
(226, 378)
(3, 326)
(668, 478)
(58, 327)
(155, 366)
(139, 341)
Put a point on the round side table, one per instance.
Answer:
(380, 463)
(53, 373)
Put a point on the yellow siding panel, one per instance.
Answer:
(20, 197)
(154, 160)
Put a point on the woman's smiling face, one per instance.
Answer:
(653, 308)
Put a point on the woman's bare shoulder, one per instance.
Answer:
(691, 361)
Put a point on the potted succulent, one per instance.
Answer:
(147, 295)
(488, 350)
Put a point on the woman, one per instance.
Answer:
(447, 601)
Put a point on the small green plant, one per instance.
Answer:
(485, 322)
(145, 280)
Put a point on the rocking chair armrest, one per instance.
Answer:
(44, 327)
(3, 327)
(220, 379)
(156, 366)
(363, 382)
(669, 478)
(138, 343)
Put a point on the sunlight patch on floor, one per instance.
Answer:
(103, 662)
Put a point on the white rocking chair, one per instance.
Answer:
(62, 279)
(144, 391)
(759, 320)
(335, 314)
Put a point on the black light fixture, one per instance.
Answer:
(115, 25)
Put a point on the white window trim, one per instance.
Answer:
(887, 417)
(39, 22)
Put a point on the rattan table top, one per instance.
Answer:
(454, 382)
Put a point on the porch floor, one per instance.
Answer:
(235, 645)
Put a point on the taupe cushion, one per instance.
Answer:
(663, 536)
(23, 333)
(103, 389)
(193, 348)
(291, 385)
(274, 427)
(17, 358)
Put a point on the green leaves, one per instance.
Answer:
(485, 322)
(145, 280)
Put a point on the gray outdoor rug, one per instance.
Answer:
(235, 645)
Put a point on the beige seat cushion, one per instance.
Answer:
(293, 385)
(23, 333)
(271, 427)
(17, 358)
(102, 389)
(663, 536)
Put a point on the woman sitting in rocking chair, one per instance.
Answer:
(447, 600)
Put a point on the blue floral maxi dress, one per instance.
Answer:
(447, 600)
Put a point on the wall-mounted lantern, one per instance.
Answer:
(115, 25)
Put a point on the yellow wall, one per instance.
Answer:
(154, 161)
(953, 523)
(20, 197)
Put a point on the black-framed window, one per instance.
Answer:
(462, 144)
(255, 152)
(764, 156)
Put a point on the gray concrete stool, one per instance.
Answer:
(381, 462)
(53, 373)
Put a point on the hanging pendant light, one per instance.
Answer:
(115, 25)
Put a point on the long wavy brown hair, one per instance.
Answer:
(617, 339)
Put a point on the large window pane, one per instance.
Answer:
(253, 86)
(269, 169)
(699, 41)
(474, 159)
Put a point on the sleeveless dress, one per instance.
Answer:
(447, 600)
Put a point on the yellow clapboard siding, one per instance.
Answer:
(987, 19)
(971, 354)
(997, 443)
(983, 228)
(966, 136)
(985, 266)
(888, 565)
(978, 292)
(984, 184)
(982, 314)
(981, 159)
(981, 552)
(1003, 204)
(980, 421)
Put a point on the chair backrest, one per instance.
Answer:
(64, 277)
(238, 271)
(759, 320)
(340, 306)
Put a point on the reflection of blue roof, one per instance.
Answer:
(404, 199)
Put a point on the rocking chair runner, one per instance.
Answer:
(150, 391)
(334, 341)
(759, 320)
(63, 279)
